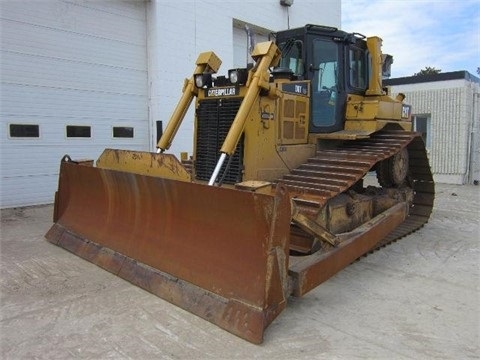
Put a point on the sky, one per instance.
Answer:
(444, 34)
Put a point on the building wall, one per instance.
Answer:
(180, 30)
(453, 150)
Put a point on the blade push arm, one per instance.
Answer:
(206, 62)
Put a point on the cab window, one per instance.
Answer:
(324, 82)
(292, 56)
(358, 68)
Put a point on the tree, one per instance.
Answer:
(428, 71)
(478, 70)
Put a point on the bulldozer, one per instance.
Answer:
(273, 200)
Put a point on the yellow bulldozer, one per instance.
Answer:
(272, 201)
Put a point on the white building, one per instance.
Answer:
(446, 110)
(78, 76)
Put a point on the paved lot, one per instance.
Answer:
(416, 299)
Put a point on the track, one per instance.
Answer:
(332, 172)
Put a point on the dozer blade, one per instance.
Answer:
(221, 254)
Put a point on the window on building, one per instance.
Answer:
(24, 130)
(422, 124)
(123, 132)
(75, 131)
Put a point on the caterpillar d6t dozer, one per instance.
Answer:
(272, 201)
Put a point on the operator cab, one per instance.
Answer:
(334, 61)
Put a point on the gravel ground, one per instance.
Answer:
(415, 299)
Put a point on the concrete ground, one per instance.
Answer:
(415, 299)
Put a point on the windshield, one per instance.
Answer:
(292, 56)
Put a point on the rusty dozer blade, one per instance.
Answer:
(219, 253)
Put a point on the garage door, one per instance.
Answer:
(73, 81)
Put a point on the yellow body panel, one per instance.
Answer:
(269, 150)
(370, 114)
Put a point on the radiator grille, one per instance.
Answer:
(214, 119)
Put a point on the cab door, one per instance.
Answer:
(325, 70)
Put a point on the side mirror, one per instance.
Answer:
(387, 61)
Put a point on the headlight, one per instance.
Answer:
(202, 80)
(238, 76)
(233, 76)
(199, 80)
